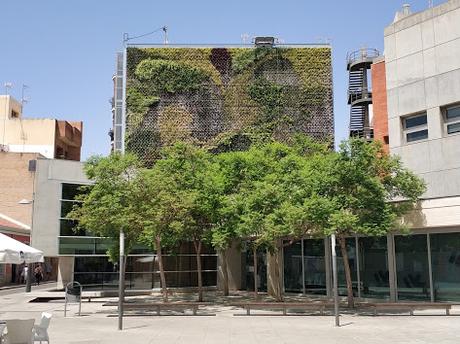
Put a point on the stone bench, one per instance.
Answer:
(284, 306)
(407, 306)
(159, 306)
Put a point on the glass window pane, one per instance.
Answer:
(315, 267)
(261, 270)
(80, 245)
(373, 264)
(445, 257)
(415, 121)
(66, 207)
(69, 191)
(417, 135)
(293, 267)
(453, 112)
(412, 267)
(68, 228)
(453, 128)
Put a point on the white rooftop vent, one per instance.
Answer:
(405, 12)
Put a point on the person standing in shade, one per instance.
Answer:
(38, 273)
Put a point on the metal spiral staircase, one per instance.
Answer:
(359, 93)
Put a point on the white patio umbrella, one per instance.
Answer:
(15, 252)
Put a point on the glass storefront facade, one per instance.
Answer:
(305, 267)
(373, 264)
(422, 262)
(248, 270)
(93, 269)
(413, 281)
(445, 258)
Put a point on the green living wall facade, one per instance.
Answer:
(225, 98)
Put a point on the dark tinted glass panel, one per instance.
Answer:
(417, 135)
(412, 267)
(445, 257)
(374, 267)
(94, 264)
(69, 191)
(415, 121)
(293, 267)
(66, 207)
(453, 128)
(315, 267)
(80, 245)
(351, 250)
(261, 270)
(68, 228)
(453, 113)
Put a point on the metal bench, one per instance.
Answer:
(284, 306)
(159, 306)
(407, 306)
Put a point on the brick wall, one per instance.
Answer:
(379, 100)
(16, 184)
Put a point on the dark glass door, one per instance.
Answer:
(412, 267)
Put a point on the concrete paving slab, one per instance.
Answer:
(98, 324)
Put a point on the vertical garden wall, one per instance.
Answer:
(226, 98)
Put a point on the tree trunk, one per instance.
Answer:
(198, 266)
(225, 272)
(164, 290)
(346, 264)
(274, 273)
(254, 252)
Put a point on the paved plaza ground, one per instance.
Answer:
(98, 324)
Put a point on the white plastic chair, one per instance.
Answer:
(2, 328)
(19, 331)
(41, 331)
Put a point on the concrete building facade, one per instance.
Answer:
(54, 139)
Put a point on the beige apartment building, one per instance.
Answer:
(54, 139)
(24, 142)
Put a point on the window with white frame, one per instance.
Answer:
(415, 127)
(452, 118)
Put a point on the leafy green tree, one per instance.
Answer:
(163, 214)
(110, 204)
(197, 185)
(359, 190)
(267, 190)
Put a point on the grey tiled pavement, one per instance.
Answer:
(98, 324)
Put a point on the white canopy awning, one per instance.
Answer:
(15, 252)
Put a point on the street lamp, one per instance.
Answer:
(29, 266)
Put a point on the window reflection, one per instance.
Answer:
(412, 267)
(373, 254)
(445, 257)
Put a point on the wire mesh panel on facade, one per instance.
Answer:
(225, 98)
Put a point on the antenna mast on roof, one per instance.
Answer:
(165, 30)
(24, 99)
(430, 3)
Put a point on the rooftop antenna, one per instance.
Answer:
(245, 38)
(165, 30)
(430, 3)
(127, 38)
(24, 99)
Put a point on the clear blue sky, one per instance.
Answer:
(65, 50)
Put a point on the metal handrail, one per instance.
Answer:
(362, 54)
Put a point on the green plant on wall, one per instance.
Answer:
(169, 76)
(226, 98)
(174, 124)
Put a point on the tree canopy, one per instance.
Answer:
(264, 196)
